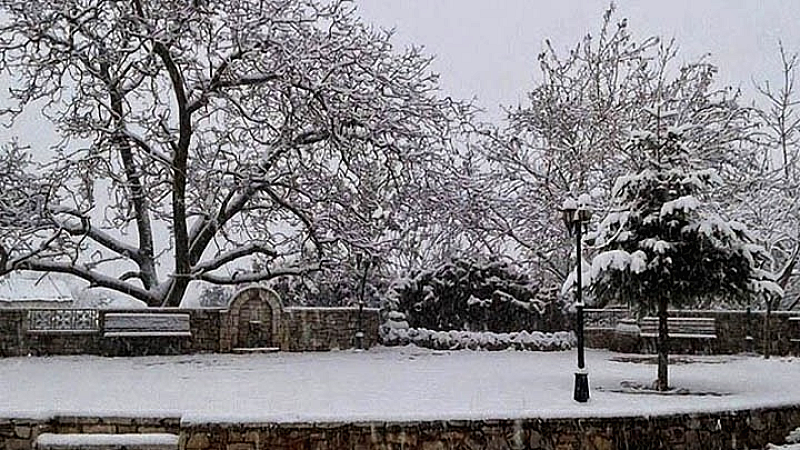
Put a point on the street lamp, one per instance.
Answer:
(576, 214)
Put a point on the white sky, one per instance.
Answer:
(488, 49)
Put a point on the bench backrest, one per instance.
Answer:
(680, 325)
(155, 324)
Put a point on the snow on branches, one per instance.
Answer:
(663, 237)
(224, 141)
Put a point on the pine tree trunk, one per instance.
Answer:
(662, 344)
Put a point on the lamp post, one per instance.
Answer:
(575, 215)
(360, 332)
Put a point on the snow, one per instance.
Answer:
(394, 333)
(618, 260)
(405, 383)
(94, 440)
(135, 324)
(111, 334)
(685, 204)
(31, 286)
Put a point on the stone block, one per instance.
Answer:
(18, 444)
(497, 443)
(602, 443)
(433, 445)
(537, 442)
(252, 436)
(239, 446)
(567, 442)
(22, 431)
(6, 431)
(198, 441)
(99, 428)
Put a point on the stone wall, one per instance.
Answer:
(737, 331)
(17, 339)
(743, 429)
(706, 431)
(20, 434)
(327, 328)
(300, 329)
(12, 332)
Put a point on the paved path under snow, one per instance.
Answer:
(381, 384)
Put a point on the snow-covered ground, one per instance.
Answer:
(381, 384)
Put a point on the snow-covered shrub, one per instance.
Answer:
(792, 442)
(794, 436)
(475, 295)
(331, 286)
(215, 296)
(393, 333)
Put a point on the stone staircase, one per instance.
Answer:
(109, 433)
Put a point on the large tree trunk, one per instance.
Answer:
(662, 384)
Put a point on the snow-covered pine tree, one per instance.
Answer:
(663, 245)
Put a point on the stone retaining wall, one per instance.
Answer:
(744, 429)
(704, 431)
(20, 434)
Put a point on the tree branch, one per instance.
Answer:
(95, 279)
(258, 276)
(226, 257)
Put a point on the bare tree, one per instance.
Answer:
(772, 207)
(572, 135)
(259, 135)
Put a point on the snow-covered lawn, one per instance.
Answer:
(381, 384)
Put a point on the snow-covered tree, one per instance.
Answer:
(770, 206)
(571, 135)
(222, 141)
(663, 244)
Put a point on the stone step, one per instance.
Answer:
(131, 441)
(248, 350)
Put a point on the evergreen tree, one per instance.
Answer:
(663, 245)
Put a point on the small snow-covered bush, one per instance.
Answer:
(792, 442)
(794, 436)
(395, 331)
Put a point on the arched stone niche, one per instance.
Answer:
(253, 320)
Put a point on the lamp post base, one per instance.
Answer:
(581, 386)
(360, 341)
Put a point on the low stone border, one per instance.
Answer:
(742, 429)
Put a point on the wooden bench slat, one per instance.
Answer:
(681, 327)
(146, 325)
(124, 333)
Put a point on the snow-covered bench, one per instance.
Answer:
(121, 325)
(681, 327)
(794, 323)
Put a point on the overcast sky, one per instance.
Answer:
(488, 49)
